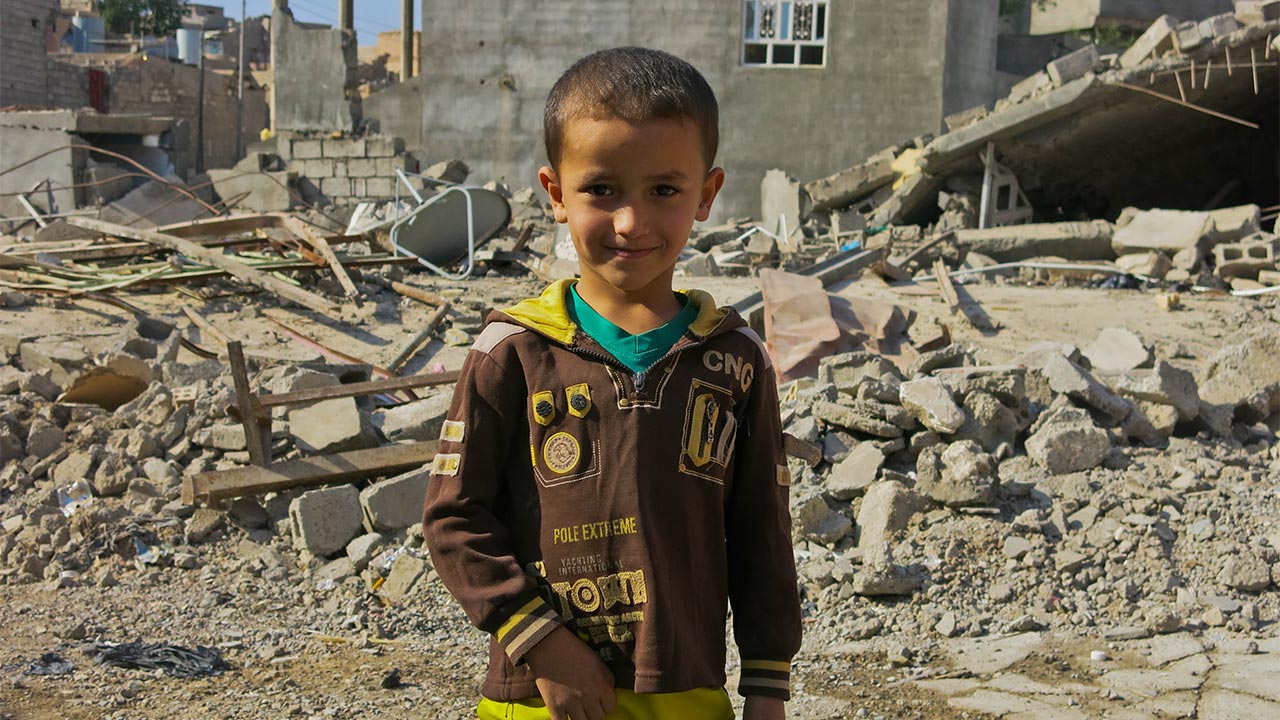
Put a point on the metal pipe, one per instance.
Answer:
(240, 89)
(346, 14)
(200, 112)
(406, 39)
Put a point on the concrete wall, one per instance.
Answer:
(19, 144)
(23, 63)
(488, 65)
(969, 65)
(1067, 15)
(314, 77)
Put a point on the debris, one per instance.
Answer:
(324, 521)
(930, 402)
(1117, 350)
(173, 660)
(395, 503)
(1068, 441)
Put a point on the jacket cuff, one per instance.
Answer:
(766, 677)
(532, 621)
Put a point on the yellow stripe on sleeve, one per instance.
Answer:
(773, 665)
(518, 617)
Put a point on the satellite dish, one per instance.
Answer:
(449, 226)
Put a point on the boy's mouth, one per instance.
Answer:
(631, 253)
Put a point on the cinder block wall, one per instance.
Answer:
(345, 170)
(23, 61)
(488, 65)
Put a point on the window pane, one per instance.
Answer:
(784, 54)
(811, 54)
(786, 22)
(755, 54)
(820, 32)
(768, 12)
(749, 23)
(804, 21)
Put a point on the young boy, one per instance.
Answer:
(611, 476)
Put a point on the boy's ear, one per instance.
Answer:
(710, 188)
(551, 183)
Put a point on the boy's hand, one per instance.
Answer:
(572, 680)
(762, 707)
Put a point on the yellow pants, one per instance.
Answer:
(700, 704)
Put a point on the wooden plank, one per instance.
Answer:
(256, 421)
(373, 387)
(331, 469)
(234, 267)
(428, 330)
(797, 448)
(945, 286)
(422, 296)
(960, 301)
(220, 225)
(317, 241)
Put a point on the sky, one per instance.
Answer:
(372, 16)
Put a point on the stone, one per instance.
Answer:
(454, 171)
(1168, 231)
(1015, 547)
(112, 477)
(950, 356)
(847, 370)
(1167, 385)
(330, 426)
(76, 467)
(815, 520)
(856, 472)
(41, 384)
(860, 418)
(406, 572)
(361, 550)
(1243, 378)
(11, 450)
(699, 265)
(881, 576)
(929, 400)
(887, 508)
(44, 438)
(419, 420)
(324, 521)
(783, 204)
(956, 475)
(1153, 265)
(248, 513)
(1069, 442)
(61, 359)
(395, 503)
(1163, 621)
(159, 472)
(1117, 350)
(1073, 66)
(222, 436)
(1163, 418)
(335, 571)
(1246, 573)
(1067, 378)
(988, 422)
(203, 523)
(1236, 223)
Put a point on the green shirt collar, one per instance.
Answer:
(637, 352)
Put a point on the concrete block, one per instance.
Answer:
(1219, 25)
(1157, 39)
(1068, 442)
(1116, 350)
(1152, 264)
(1187, 37)
(1167, 231)
(329, 426)
(782, 197)
(815, 520)
(417, 420)
(1246, 259)
(324, 521)
(929, 400)
(343, 148)
(886, 509)
(454, 171)
(268, 192)
(386, 167)
(316, 169)
(357, 187)
(965, 118)
(1166, 385)
(361, 550)
(853, 475)
(308, 149)
(1073, 65)
(336, 187)
(406, 573)
(1236, 223)
(362, 167)
(379, 187)
(395, 503)
(382, 146)
(1270, 278)
(340, 167)
(850, 185)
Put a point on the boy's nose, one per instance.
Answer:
(628, 221)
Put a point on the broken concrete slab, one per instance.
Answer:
(988, 422)
(957, 475)
(1155, 265)
(815, 520)
(1073, 66)
(1088, 240)
(1168, 231)
(856, 472)
(929, 400)
(254, 192)
(849, 185)
(407, 572)
(1157, 38)
(395, 503)
(1117, 350)
(1236, 223)
(1167, 385)
(881, 576)
(416, 420)
(862, 418)
(1067, 378)
(783, 204)
(323, 521)
(887, 508)
(1244, 378)
(329, 426)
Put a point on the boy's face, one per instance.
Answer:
(630, 194)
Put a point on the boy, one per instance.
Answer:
(652, 491)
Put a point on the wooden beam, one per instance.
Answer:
(373, 387)
(343, 467)
(417, 293)
(232, 266)
(411, 347)
(256, 421)
(317, 241)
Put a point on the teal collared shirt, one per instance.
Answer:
(637, 352)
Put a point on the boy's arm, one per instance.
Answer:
(762, 572)
(471, 548)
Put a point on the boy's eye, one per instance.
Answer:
(665, 191)
(598, 190)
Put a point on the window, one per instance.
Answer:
(784, 34)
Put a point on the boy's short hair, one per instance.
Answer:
(632, 84)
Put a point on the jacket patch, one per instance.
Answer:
(784, 476)
(453, 431)
(710, 428)
(732, 365)
(579, 398)
(544, 407)
(561, 453)
(495, 333)
(446, 464)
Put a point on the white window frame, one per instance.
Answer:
(784, 32)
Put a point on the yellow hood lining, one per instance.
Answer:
(549, 315)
